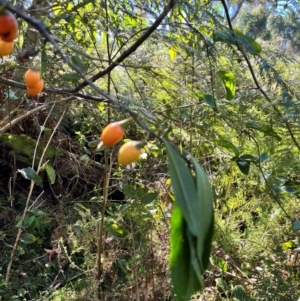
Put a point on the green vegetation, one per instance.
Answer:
(209, 208)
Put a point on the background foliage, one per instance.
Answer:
(218, 80)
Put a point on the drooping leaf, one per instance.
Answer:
(195, 260)
(184, 279)
(205, 214)
(267, 129)
(247, 43)
(184, 189)
(29, 174)
(228, 80)
(229, 146)
(244, 166)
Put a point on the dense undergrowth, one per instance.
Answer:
(232, 103)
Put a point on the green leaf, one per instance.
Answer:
(239, 293)
(244, 166)
(222, 284)
(266, 129)
(129, 191)
(29, 174)
(228, 80)
(229, 146)
(50, 173)
(149, 197)
(195, 261)
(287, 245)
(27, 238)
(78, 62)
(249, 158)
(205, 201)
(183, 276)
(248, 44)
(222, 264)
(70, 77)
(209, 99)
(44, 62)
(184, 189)
(118, 231)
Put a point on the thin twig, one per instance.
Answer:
(12, 255)
(27, 114)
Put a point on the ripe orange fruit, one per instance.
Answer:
(112, 134)
(35, 90)
(8, 26)
(129, 152)
(6, 47)
(32, 77)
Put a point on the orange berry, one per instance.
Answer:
(129, 152)
(112, 134)
(6, 47)
(8, 27)
(32, 77)
(35, 90)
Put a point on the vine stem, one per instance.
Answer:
(108, 170)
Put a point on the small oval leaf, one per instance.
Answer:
(29, 174)
(27, 238)
(50, 173)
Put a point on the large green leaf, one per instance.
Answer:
(184, 278)
(184, 189)
(205, 214)
(192, 224)
(228, 80)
